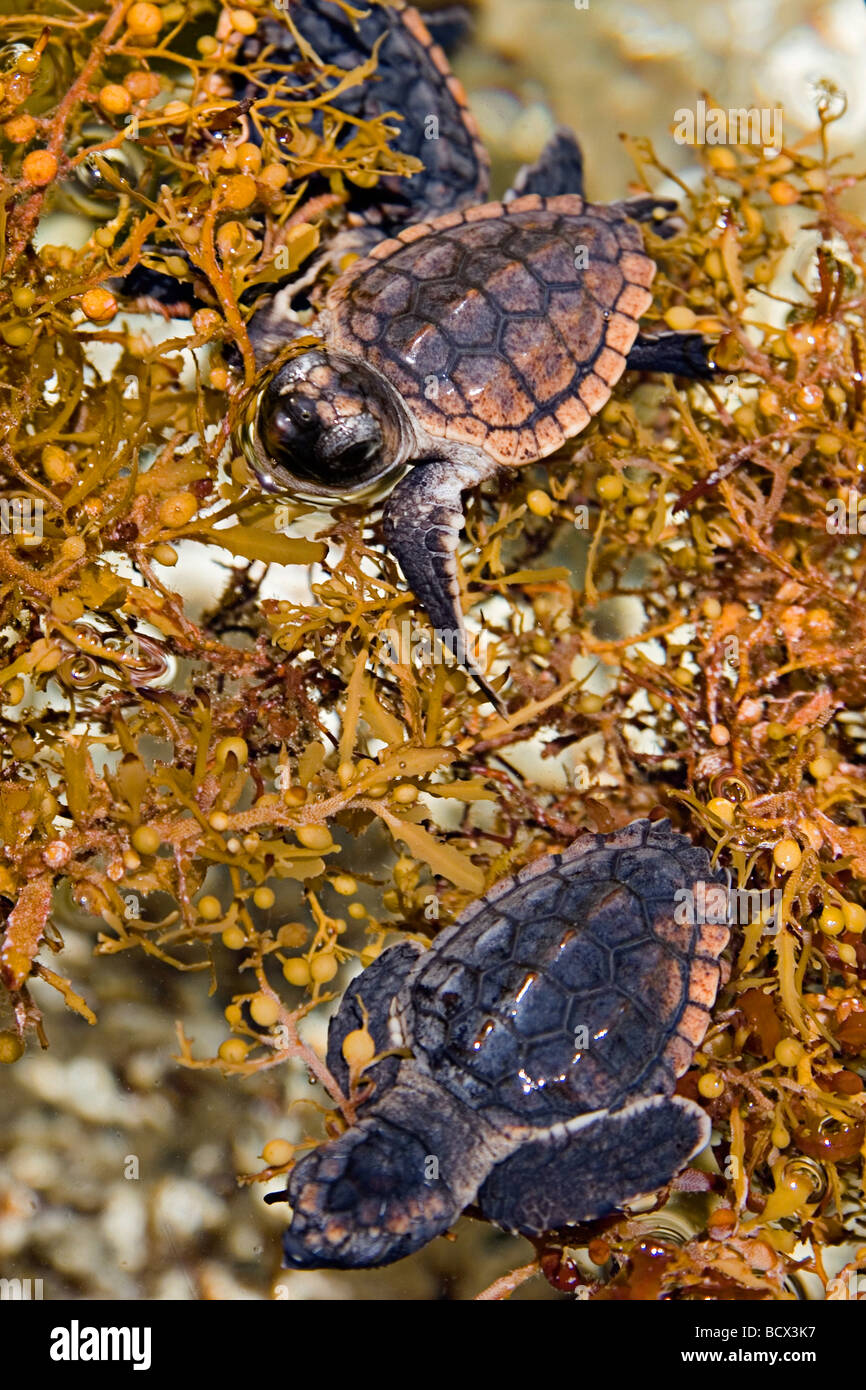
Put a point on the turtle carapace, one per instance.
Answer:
(546, 1031)
(470, 337)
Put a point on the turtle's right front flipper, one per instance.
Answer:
(421, 522)
(371, 1002)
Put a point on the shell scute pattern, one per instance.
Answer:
(488, 334)
(565, 956)
(496, 305)
(546, 1029)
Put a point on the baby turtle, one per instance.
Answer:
(547, 1029)
(476, 339)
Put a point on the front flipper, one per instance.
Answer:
(376, 989)
(421, 522)
(577, 1174)
(558, 169)
(153, 291)
(683, 354)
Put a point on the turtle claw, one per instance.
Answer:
(421, 522)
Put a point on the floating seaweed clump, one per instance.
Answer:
(677, 599)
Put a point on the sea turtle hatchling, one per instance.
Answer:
(540, 1039)
(477, 336)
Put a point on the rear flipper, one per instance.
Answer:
(565, 1177)
(558, 169)
(662, 214)
(421, 522)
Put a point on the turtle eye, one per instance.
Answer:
(342, 453)
(327, 427)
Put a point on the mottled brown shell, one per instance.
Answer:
(505, 326)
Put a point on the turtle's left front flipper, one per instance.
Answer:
(149, 291)
(421, 522)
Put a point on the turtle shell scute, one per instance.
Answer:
(505, 326)
(574, 986)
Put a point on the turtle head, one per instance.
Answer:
(327, 427)
(368, 1198)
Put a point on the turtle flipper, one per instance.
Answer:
(558, 169)
(368, 1002)
(683, 354)
(421, 522)
(158, 292)
(586, 1169)
(449, 26)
